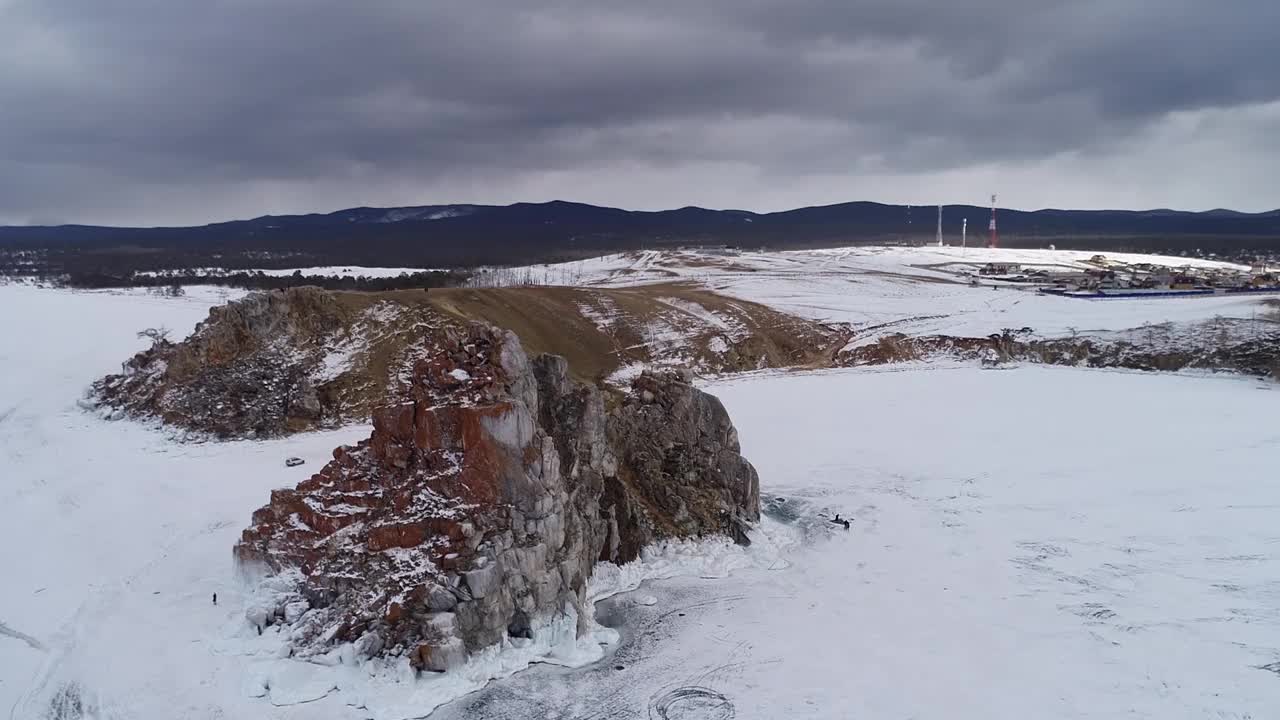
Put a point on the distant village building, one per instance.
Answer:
(721, 250)
(1000, 268)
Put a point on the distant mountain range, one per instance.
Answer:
(443, 235)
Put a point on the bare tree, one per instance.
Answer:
(157, 335)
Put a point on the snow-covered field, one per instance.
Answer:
(1035, 542)
(929, 262)
(902, 289)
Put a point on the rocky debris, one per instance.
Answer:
(476, 510)
(273, 363)
(238, 374)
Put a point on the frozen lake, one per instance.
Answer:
(1038, 542)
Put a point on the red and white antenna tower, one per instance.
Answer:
(995, 239)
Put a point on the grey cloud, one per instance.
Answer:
(109, 102)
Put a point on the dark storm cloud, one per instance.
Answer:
(109, 102)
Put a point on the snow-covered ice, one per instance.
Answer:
(1043, 542)
(115, 538)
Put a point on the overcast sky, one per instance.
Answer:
(150, 112)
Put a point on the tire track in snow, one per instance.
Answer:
(7, 631)
(96, 605)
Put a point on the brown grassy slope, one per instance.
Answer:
(553, 319)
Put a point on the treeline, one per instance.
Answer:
(124, 262)
(263, 281)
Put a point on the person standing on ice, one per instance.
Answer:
(215, 598)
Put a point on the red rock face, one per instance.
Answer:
(474, 510)
(410, 514)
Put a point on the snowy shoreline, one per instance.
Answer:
(388, 690)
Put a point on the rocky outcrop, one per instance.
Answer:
(1228, 345)
(668, 430)
(477, 508)
(284, 361)
(275, 363)
(241, 373)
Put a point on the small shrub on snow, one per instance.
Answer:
(69, 704)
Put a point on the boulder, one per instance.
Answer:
(369, 645)
(482, 582)
(294, 611)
